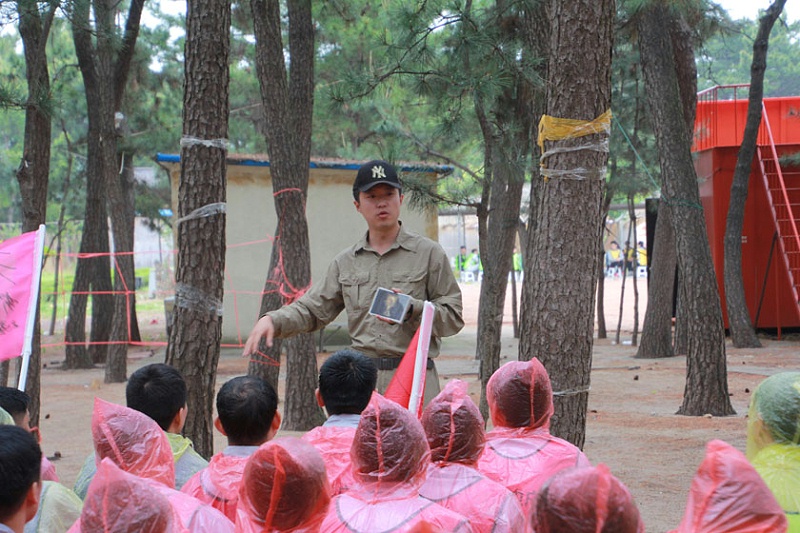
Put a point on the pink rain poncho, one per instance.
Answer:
(334, 444)
(773, 440)
(521, 454)
(586, 500)
(284, 488)
(728, 495)
(136, 444)
(133, 441)
(218, 484)
(454, 427)
(119, 502)
(390, 456)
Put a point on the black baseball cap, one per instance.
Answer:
(375, 172)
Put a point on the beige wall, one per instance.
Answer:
(333, 224)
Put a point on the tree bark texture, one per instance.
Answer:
(602, 332)
(564, 257)
(706, 388)
(288, 102)
(741, 327)
(266, 363)
(194, 342)
(34, 169)
(657, 327)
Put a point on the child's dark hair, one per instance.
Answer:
(20, 467)
(157, 390)
(246, 406)
(346, 382)
(15, 402)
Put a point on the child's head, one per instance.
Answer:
(586, 500)
(454, 426)
(159, 391)
(124, 503)
(20, 475)
(284, 486)
(16, 403)
(389, 445)
(520, 395)
(133, 441)
(247, 408)
(774, 415)
(346, 382)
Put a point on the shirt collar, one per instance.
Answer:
(239, 451)
(403, 240)
(342, 421)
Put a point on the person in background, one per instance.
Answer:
(586, 500)
(20, 478)
(17, 404)
(521, 454)
(641, 254)
(614, 260)
(346, 382)
(454, 427)
(474, 264)
(158, 391)
(461, 261)
(388, 256)
(516, 265)
(247, 414)
(773, 440)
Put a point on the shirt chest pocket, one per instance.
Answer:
(412, 282)
(355, 290)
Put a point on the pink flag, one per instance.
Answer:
(20, 266)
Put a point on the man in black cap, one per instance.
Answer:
(387, 256)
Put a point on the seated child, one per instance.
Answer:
(16, 403)
(586, 500)
(728, 495)
(346, 381)
(284, 488)
(20, 478)
(390, 458)
(454, 427)
(159, 391)
(521, 454)
(124, 503)
(247, 416)
(58, 506)
(773, 440)
(137, 445)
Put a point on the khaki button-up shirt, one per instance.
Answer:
(414, 265)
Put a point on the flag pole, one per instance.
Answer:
(421, 361)
(27, 347)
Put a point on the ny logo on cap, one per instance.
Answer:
(378, 172)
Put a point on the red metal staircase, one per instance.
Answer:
(784, 201)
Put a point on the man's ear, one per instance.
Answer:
(180, 419)
(275, 426)
(318, 395)
(218, 425)
(32, 500)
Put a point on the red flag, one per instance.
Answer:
(20, 266)
(399, 388)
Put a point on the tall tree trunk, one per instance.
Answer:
(564, 256)
(60, 228)
(741, 327)
(288, 104)
(602, 333)
(634, 276)
(34, 169)
(507, 140)
(657, 328)
(194, 342)
(266, 363)
(706, 382)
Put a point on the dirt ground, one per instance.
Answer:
(631, 425)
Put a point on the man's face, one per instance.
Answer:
(380, 206)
